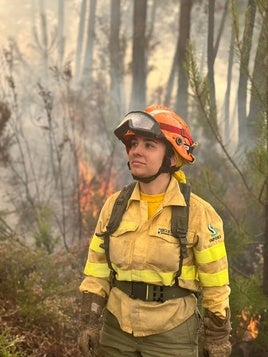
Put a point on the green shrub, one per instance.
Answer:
(41, 292)
(9, 344)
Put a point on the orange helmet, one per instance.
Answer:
(159, 121)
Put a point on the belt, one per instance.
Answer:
(150, 292)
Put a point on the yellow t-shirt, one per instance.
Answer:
(153, 202)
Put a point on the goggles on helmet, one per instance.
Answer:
(138, 122)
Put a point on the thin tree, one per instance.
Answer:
(116, 60)
(212, 49)
(87, 72)
(139, 48)
(258, 99)
(5, 139)
(258, 123)
(184, 36)
(45, 41)
(244, 48)
(61, 39)
(80, 40)
(227, 114)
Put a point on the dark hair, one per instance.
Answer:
(169, 148)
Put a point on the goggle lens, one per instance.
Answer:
(138, 122)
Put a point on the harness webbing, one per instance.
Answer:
(179, 223)
(119, 207)
(118, 210)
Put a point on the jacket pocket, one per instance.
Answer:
(164, 249)
(121, 243)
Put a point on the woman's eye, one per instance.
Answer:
(149, 145)
(133, 144)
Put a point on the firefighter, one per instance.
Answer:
(142, 285)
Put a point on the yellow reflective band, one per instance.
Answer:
(97, 269)
(95, 244)
(217, 279)
(188, 272)
(211, 254)
(150, 276)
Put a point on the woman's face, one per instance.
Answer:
(145, 156)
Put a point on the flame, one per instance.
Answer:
(92, 189)
(250, 324)
(84, 186)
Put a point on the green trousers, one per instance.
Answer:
(180, 341)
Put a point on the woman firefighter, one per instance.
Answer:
(144, 275)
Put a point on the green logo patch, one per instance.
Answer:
(213, 230)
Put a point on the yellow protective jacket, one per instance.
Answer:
(143, 249)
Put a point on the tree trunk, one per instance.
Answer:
(264, 37)
(171, 78)
(211, 56)
(265, 249)
(243, 75)
(227, 115)
(221, 28)
(88, 58)
(116, 61)
(258, 104)
(80, 40)
(184, 36)
(42, 40)
(61, 40)
(211, 53)
(138, 94)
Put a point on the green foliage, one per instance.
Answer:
(42, 292)
(5, 229)
(250, 307)
(43, 235)
(257, 163)
(237, 192)
(5, 139)
(9, 343)
(38, 283)
(199, 84)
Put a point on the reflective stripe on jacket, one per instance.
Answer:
(143, 249)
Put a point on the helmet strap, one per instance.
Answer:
(164, 168)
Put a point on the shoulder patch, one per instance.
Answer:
(214, 233)
(213, 230)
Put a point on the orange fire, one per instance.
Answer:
(84, 186)
(92, 189)
(250, 323)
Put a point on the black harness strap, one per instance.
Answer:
(115, 219)
(119, 207)
(179, 225)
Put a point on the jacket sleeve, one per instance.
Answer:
(211, 259)
(96, 269)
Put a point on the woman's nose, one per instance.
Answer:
(136, 149)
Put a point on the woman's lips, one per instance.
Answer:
(137, 163)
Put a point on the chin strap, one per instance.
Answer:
(164, 168)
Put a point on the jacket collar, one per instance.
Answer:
(173, 196)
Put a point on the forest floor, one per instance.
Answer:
(19, 339)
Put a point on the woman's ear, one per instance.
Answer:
(173, 160)
(179, 162)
